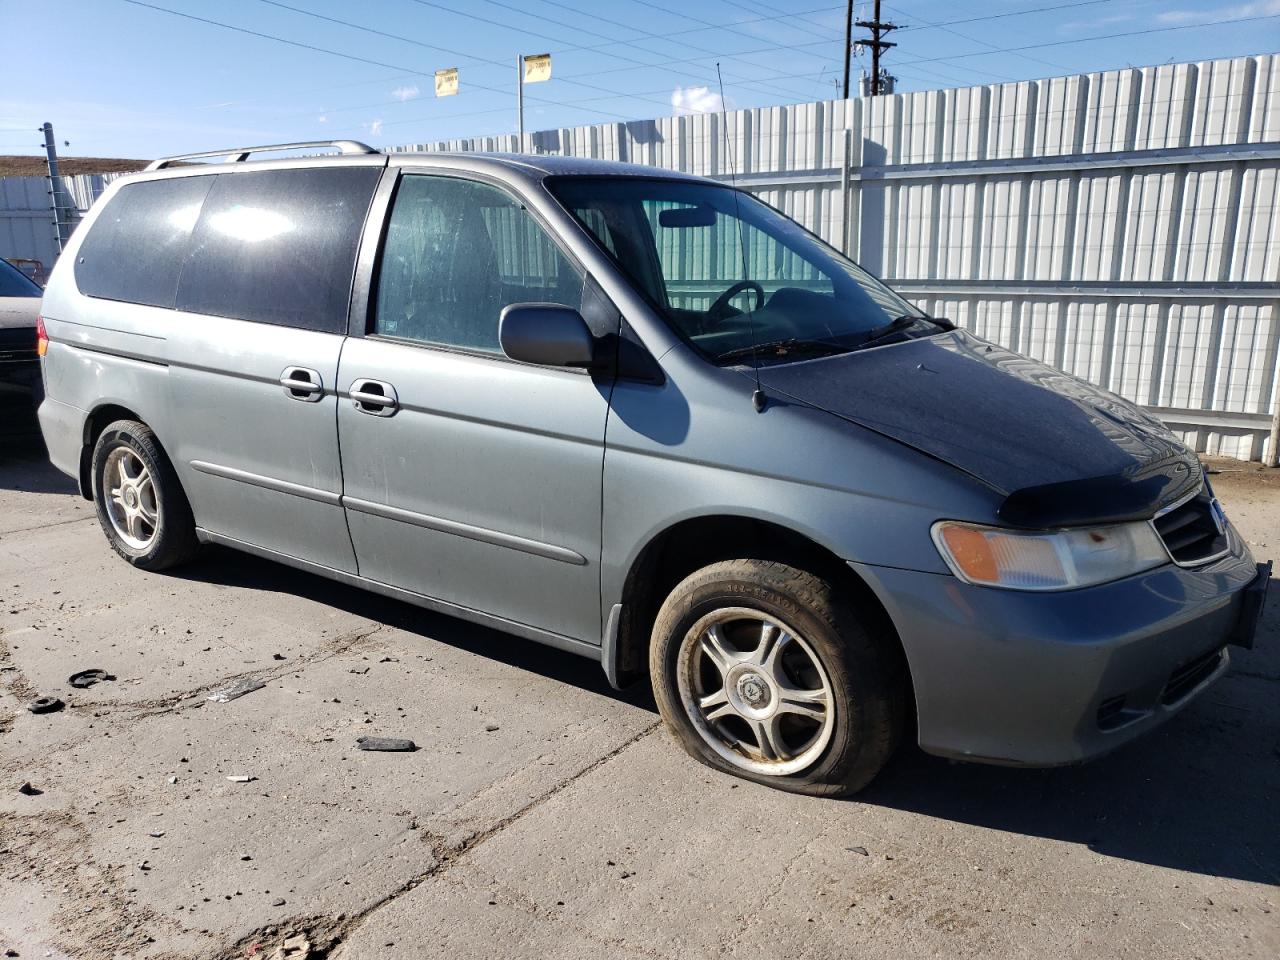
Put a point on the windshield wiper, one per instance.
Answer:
(898, 324)
(782, 348)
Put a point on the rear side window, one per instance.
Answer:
(456, 253)
(136, 246)
(279, 246)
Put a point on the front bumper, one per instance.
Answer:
(1051, 678)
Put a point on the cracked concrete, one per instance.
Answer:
(576, 828)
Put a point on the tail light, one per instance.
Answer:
(42, 338)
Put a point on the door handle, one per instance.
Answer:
(302, 383)
(374, 397)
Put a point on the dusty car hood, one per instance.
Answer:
(19, 312)
(1061, 450)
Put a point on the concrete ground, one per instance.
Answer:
(545, 815)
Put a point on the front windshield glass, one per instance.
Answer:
(733, 276)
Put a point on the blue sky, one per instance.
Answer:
(124, 79)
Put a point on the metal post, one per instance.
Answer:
(51, 165)
(1272, 459)
(520, 100)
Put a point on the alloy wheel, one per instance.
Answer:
(756, 691)
(131, 498)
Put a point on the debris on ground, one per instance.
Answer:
(87, 678)
(387, 744)
(293, 948)
(490, 727)
(235, 690)
(240, 778)
(27, 790)
(861, 850)
(45, 705)
(359, 670)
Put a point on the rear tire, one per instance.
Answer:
(761, 671)
(140, 503)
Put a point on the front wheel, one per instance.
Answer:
(762, 672)
(141, 506)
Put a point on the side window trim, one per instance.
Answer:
(373, 247)
(364, 288)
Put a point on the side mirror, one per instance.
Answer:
(546, 333)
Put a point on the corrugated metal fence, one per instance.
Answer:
(26, 215)
(1123, 226)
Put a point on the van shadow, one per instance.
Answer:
(227, 567)
(25, 467)
(1197, 795)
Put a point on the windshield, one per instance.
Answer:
(731, 275)
(14, 283)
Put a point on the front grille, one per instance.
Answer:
(1188, 676)
(1190, 532)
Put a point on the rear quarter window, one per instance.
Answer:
(279, 246)
(135, 249)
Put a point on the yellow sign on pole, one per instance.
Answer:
(537, 67)
(447, 82)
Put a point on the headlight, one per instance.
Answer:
(1060, 560)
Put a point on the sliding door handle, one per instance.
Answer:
(302, 383)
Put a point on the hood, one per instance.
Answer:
(19, 312)
(1061, 451)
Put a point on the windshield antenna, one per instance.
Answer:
(758, 398)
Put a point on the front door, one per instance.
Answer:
(469, 477)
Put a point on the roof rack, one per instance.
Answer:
(240, 154)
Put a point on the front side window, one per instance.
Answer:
(731, 275)
(456, 253)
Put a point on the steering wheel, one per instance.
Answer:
(720, 309)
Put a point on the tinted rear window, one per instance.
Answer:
(135, 249)
(279, 246)
(15, 283)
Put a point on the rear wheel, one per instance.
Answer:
(761, 671)
(141, 506)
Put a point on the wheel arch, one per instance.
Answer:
(99, 418)
(690, 544)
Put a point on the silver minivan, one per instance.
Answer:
(646, 418)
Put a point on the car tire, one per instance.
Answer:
(140, 503)
(762, 671)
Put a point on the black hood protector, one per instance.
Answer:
(1063, 452)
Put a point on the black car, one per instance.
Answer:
(20, 386)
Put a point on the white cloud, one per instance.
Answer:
(1258, 8)
(687, 100)
(408, 92)
(322, 119)
(375, 127)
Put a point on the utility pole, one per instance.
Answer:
(520, 100)
(55, 183)
(848, 43)
(878, 29)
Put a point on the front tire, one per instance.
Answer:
(761, 671)
(140, 503)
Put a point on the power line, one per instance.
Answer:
(608, 41)
(345, 56)
(1109, 36)
(979, 40)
